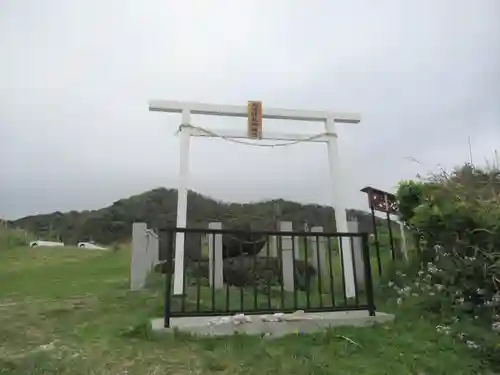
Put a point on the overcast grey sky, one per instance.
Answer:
(76, 77)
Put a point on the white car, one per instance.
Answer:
(45, 244)
(90, 245)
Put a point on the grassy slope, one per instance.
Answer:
(77, 304)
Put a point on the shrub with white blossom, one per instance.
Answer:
(456, 218)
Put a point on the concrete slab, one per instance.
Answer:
(276, 325)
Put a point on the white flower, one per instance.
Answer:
(49, 346)
(434, 270)
(480, 291)
(390, 284)
(443, 329)
(414, 295)
(460, 300)
(431, 294)
(472, 344)
(406, 291)
(420, 273)
(399, 301)
(461, 336)
(439, 287)
(496, 327)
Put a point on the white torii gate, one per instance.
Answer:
(330, 137)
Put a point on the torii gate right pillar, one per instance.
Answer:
(337, 201)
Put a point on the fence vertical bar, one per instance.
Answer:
(341, 252)
(330, 269)
(212, 286)
(356, 287)
(375, 234)
(306, 271)
(279, 254)
(294, 273)
(268, 278)
(319, 270)
(198, 284)
(255, 282)
(184, 292)
(391, 237)
(167, 245)
(370, 300)
(242, 297)
(228, 300)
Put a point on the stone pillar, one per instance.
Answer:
(153, 248)
(296, 248)
(204, 245)
(273, 248)
(139, 261)
(215, 262)
(287, 257)
(359, 264)
(318, 248)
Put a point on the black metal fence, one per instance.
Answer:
(265, 272)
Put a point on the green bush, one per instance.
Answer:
(10, 238)
(457, 218)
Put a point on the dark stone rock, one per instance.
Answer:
(160, 267)
(192, 247)
(249, 271)
(233, 246)
(241, 243)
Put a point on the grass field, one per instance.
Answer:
(68, 311)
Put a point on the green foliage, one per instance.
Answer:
(141, 331)
(419, 294)
(409, 195)
(457, 216)
(158, 208)
(10, 238)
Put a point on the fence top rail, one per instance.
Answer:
(263, 232)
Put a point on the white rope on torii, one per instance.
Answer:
(213, 134)
(337, 193)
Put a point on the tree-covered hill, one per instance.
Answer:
(158, 208)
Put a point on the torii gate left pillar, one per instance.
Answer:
(336, 195)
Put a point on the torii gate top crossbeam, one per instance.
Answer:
(242, 111)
